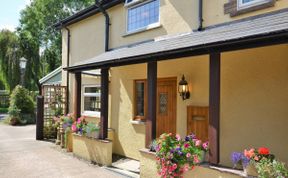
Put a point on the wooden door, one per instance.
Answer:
(166, 106)
(198, 121)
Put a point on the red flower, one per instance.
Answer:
(263, 151)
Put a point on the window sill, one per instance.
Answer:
(135, 122)
(150, 27)
(91, 114)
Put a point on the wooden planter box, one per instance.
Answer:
(148, 169)
(94, 150)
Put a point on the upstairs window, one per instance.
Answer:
(242, 4)
(92, 103)
(142, 16)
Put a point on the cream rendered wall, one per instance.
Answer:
(88, 36)
(254, 97)
(213, 11)
(129, 138)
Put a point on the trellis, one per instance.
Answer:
(55, 103)
(4, 98)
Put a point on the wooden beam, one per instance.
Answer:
(77, 95)
(214, 106)
(40, 118)
(104, 103)
(152, 100)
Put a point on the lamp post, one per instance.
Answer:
(22, 64)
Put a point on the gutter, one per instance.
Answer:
(200, 16)
(68, 64)
(88, 12)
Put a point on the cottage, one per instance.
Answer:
(215, 68)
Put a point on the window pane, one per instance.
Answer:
(143, 15)
(92, 103)
(92, 90)
(246, 1)
(139, 98)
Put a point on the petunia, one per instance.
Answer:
(178, 137)
(188, 155)
(186, 145)
(198, 142)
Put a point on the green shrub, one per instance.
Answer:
(21, 100)
(4, 110)
(14, 115)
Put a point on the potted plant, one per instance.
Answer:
(259, 162)
(175, 155)
(92, 130)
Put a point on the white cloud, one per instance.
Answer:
(8, 27)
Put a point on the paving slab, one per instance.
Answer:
(22, 156)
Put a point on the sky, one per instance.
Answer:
(10, 13)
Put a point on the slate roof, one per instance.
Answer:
(262, 25)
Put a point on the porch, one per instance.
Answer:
(242, 78)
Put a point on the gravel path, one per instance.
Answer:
(22, 156)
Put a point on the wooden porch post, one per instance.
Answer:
(214, 106)
(104, 103)
(77, 95)
(152, 94)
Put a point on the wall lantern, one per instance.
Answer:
(183, 89)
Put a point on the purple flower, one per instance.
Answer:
(179, 149)
(187, 138)
(172, 151)
(237, 157)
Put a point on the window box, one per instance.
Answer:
(94, 150)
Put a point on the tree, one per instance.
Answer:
(10, 54)
(36, 33)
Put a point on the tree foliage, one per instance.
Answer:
(36, 40)
(9, 59)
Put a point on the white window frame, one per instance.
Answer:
(136, 4)
(90, 113)
(241, 5)
(132, 3)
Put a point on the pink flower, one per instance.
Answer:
(174, 166)
(178, 137)
(186, 168)
(196, 159)
(186, 145)
(188, 155)
(79, 121)
(198, 143)
(74, 128)
(205, 145)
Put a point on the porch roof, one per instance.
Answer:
(261, 30)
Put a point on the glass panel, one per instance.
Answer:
(140, 98)
(92, 103)
(143, 15)
(163, 103)
(92, 90)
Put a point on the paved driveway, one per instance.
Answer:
(22, 156)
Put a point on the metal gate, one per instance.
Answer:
(55, 103)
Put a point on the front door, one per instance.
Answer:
(166, 106)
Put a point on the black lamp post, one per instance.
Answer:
(183, 89)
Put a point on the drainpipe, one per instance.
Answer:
(107, 23)
(200, 16)
(68, 63)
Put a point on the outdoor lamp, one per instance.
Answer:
(183, 89)
(23, 63)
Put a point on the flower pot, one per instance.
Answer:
(69, 142)
(203, 157)
(250, 170)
